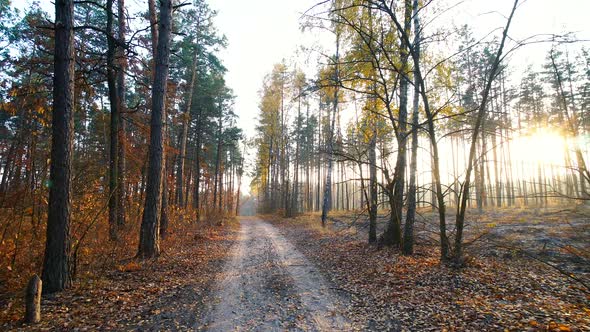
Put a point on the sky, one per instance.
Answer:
(261, 33)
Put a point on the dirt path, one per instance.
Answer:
(268, 285)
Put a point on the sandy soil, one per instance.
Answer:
(268, 285)
(556, 236)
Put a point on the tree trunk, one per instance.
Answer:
(114, 128)
(478, 169)
(328, 188)
(408, 240)
(572, 123)
(121, 90)
(154, 25)
(197, 171)
(221, 172)
(184, 132)
(164, 220)
(164, 209)
(217, 160)
(308, 159)
(460, 218)
(294, 209)
(373, 186)
(240, 173)
(149, 239)
(56, 263)
(497, 173)
(319, 157)
(392, 235)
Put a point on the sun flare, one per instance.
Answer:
(544, 146)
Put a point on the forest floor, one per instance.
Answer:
(271, 273)
(511, 281)
(165, 294)
(558, 237)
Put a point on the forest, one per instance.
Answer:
(405, 171)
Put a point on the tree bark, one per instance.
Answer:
(114, 102)
(197, 171)
(372, 186)
(294, 208)
(240, 173)
(184, 132)
(149, 240)
(218, 160)
(154, 25)
(319, 164)
(164, 210)
(408, 240)
(121, 90)
(393, 234)
(328, 188)
(56, 263)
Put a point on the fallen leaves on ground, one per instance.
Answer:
(391, 291)
(166, 293)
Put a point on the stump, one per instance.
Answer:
(33, 300)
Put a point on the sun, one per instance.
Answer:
(543, 146)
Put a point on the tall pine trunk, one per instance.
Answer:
(56, 263)
(121, 90)
(218, 162)
(114, 128)
(184, 132)
(149, 238)
(328, 188)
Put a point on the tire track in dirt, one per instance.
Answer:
(269, 285)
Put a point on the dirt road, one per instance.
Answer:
(269, 286)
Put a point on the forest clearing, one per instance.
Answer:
(333, 165)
